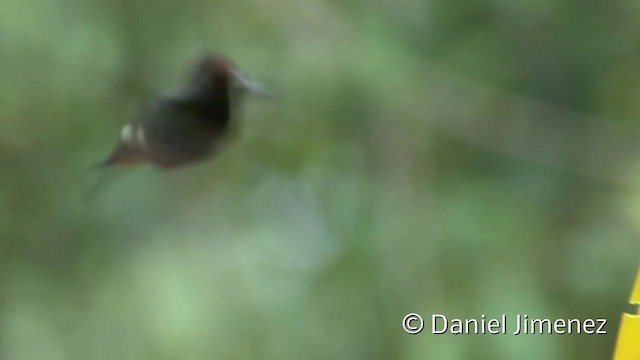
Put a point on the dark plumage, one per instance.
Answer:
(190, 126)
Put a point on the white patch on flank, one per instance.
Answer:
(142, 140)
(126, 135)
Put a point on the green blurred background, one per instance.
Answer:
(432, 156)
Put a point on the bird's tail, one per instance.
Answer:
(122, 154)
(104, 179)
(105, 169)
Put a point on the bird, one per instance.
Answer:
(190, 125)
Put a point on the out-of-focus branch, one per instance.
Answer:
(531, 130)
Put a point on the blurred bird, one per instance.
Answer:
(191, 125)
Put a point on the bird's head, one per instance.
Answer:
(216, 74)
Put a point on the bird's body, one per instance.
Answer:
(190, 126)
(203, 125)
(172, 132)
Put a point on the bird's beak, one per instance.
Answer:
(251, 85)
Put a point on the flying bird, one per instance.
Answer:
(191, 125)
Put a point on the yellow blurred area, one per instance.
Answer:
(628, 346)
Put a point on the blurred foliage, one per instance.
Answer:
(432, 156)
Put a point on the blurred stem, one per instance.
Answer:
(524, 128)
(135, 81)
